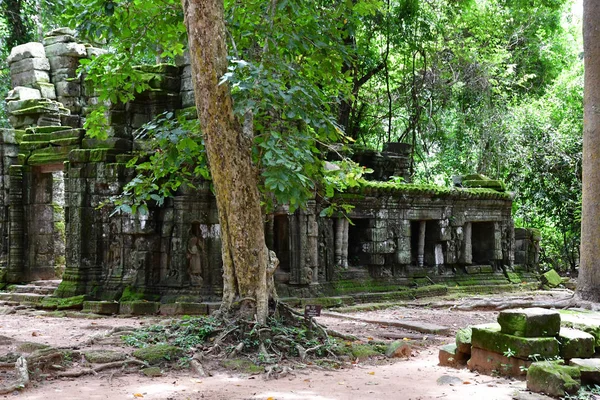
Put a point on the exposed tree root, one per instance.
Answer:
(22, 377)
(95, 370)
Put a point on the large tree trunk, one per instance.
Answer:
(588, 283)
(234, 176)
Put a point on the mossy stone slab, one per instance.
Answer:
(158, 353)
(463, 340)
(449, 356)
(589, 368)
(575, 343)
(553, 378)
(139, 307)
(101, 307)
(103, 356)
(551, 278)
(530, 322)
(584, 321)
(519, 347)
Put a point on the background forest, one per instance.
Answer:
(487, 86)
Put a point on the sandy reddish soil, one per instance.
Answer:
(418, 377)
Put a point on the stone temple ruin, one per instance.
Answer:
(400, 237)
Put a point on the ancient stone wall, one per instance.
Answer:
(395, 235)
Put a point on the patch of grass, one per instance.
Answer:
(184, 333)
(242, 365)
(361, 351)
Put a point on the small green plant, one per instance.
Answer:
(509, 353)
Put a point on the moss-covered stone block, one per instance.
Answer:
(158, 353)
(30, 146)
(66, 303)
(515, 346)
(45, 129)
(530, 322)
(103, 155)
(491, 363)
(103, 356)
(551, 278)
(139, 307)
(575, 343)
(101, 307)
(449, 356)
(152, 372)
(582, 321)
(79, 156)
(589, 369)
(184, 308)
(463, 340)
(553, 378)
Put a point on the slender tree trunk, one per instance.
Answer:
(244, 251)
(588, 283)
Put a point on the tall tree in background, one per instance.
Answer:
(228, 148)
(588, 284)
(18, 23)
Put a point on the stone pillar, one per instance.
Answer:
(403, 248)
(312, 232)
(467, 253)
(15, 270)
(421, 244)
(439, 254)
(341, 242)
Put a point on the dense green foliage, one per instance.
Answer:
(487, 86)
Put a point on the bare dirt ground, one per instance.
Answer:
(417, 377)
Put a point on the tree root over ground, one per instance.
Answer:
(22, 377)
(565, 299)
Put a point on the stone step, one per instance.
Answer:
(49, 282)
(45, 290)
(23, 297)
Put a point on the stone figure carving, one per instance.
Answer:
(195, 250)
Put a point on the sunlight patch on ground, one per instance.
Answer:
(299, 395)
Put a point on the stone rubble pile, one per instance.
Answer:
(552, 350)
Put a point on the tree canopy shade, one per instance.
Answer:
(588, 287)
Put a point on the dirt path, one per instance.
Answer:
(418, 377)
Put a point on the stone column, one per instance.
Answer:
(467, 254)
(345, 243)
(16, 263)
(421, 244)
(312, 231)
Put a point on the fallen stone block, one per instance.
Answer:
(139, 307)
(101, 307)
(514, 346)
(449, 356)
(575, 343)
(184, 309)
(589, 368)
(583, 321)
(530, 322)
(551, 278)
(553, 378)
(490, 363)
(463, 340)
(61, 31)
(27, 50)
(398, 349)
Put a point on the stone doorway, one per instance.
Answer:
(482, 242)
(45, 222)
(425, 245)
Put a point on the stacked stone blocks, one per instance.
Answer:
(529, 343)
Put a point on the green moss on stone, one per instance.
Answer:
(493, 340)
(103, 356)
(551, 278)
(463, 340)
(158, 353)
(243, 365)
(553, 378)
